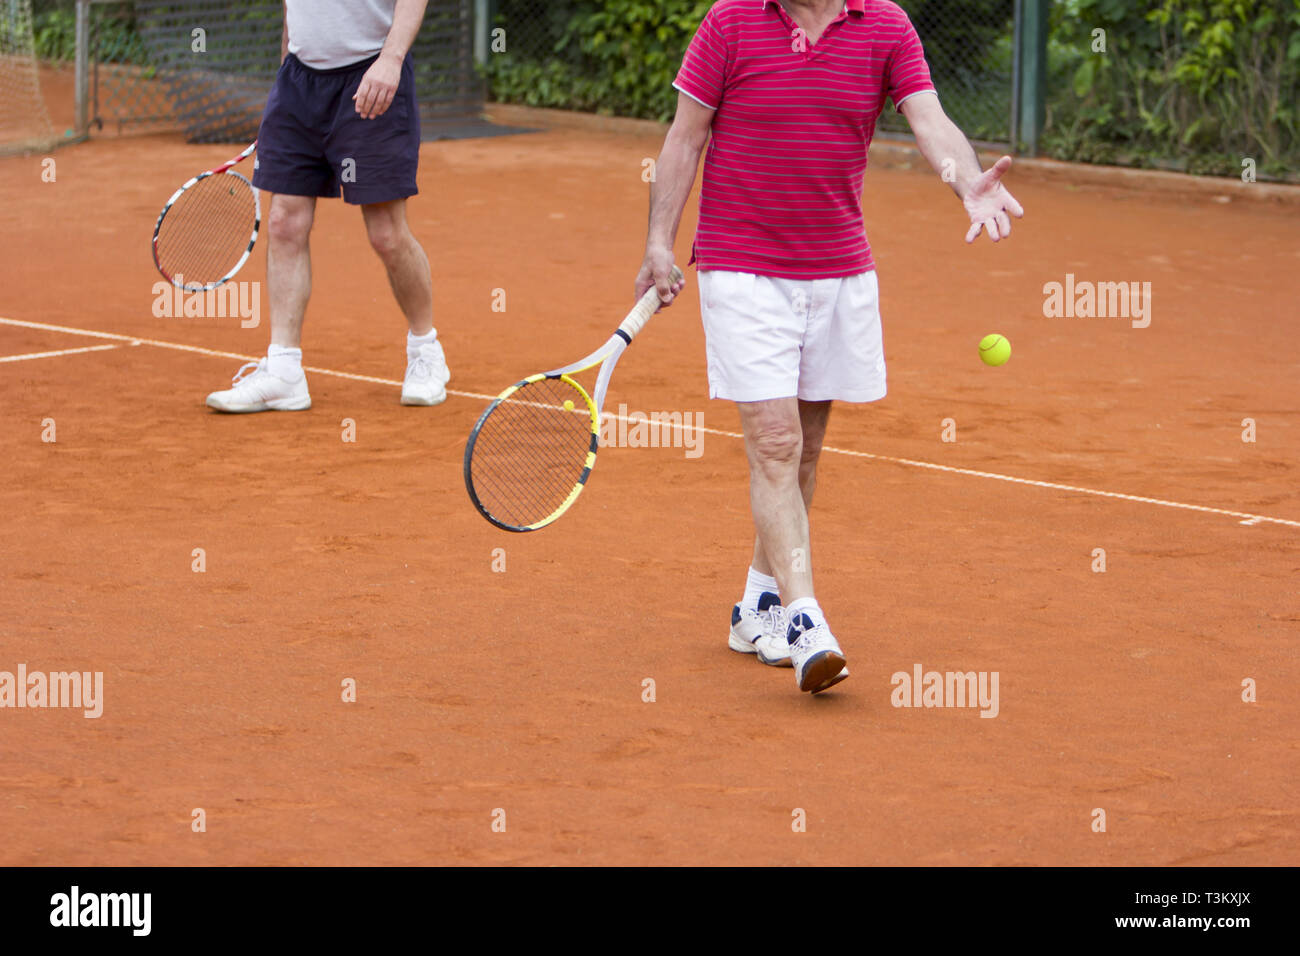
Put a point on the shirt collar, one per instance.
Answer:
(850, 6)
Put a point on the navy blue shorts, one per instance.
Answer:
(312, 140)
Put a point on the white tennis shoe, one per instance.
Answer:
(427, 376)
(255, 389)
(761, 631)
(818, 661)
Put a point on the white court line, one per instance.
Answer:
(199, 350)
(1247, 518)
(1244, 517)
(35, 355)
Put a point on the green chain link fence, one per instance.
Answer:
(1204, 86)
(206, 66)
(621, 56)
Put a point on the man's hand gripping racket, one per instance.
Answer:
(530, 454)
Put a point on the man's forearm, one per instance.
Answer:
(673, 178)
(407, 17)
(284, 34)
(950, 153)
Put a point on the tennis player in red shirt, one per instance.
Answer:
(790, 91)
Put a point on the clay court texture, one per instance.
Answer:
(1100, 534)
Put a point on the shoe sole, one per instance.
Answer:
(842, 675)
(822, 672)
(412, 400)
(296, 405)
(742, 646)
(775, 661)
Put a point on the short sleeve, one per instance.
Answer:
(908, 72)
(704, 67)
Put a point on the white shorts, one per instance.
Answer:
(817, 339)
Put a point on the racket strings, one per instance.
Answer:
(207, 230)
(527, 481)
(530, 452)
(524, 496)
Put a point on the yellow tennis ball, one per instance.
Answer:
(995, 349)
(568, 404)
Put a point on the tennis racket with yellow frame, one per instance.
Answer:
(531, 452)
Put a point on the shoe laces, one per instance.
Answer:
(251, 368)
(776, 621)
(802, 633)
(420, 366)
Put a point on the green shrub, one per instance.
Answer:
(55, 34)
(1193, 84)
(616, 57)
(113, 31)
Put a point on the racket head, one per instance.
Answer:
(207, 230)
(528, 457)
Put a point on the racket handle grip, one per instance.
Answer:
(649, 304)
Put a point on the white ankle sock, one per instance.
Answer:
(807, 606)
(413, 342)
(285, 363)
(755, 584)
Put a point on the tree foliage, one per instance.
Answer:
(1195, 84)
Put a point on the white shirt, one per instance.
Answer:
(327, 34)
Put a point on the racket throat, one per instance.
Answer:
(602, 379)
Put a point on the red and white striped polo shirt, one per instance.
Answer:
(782, 189)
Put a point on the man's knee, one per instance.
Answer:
(813, 419)
(388, 235)
(809, 453)
(289, 222)
(777, 443)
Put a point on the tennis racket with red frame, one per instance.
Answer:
(207, 230)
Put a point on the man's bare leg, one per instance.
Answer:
(404, 258)
(813, 418)
(774, 444)
(408, 275)
(278, 383)
(288, 266)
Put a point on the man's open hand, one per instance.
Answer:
(988, 203)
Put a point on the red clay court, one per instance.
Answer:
(521, 690)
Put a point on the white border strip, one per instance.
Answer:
(1244, 517)
(35, 355)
